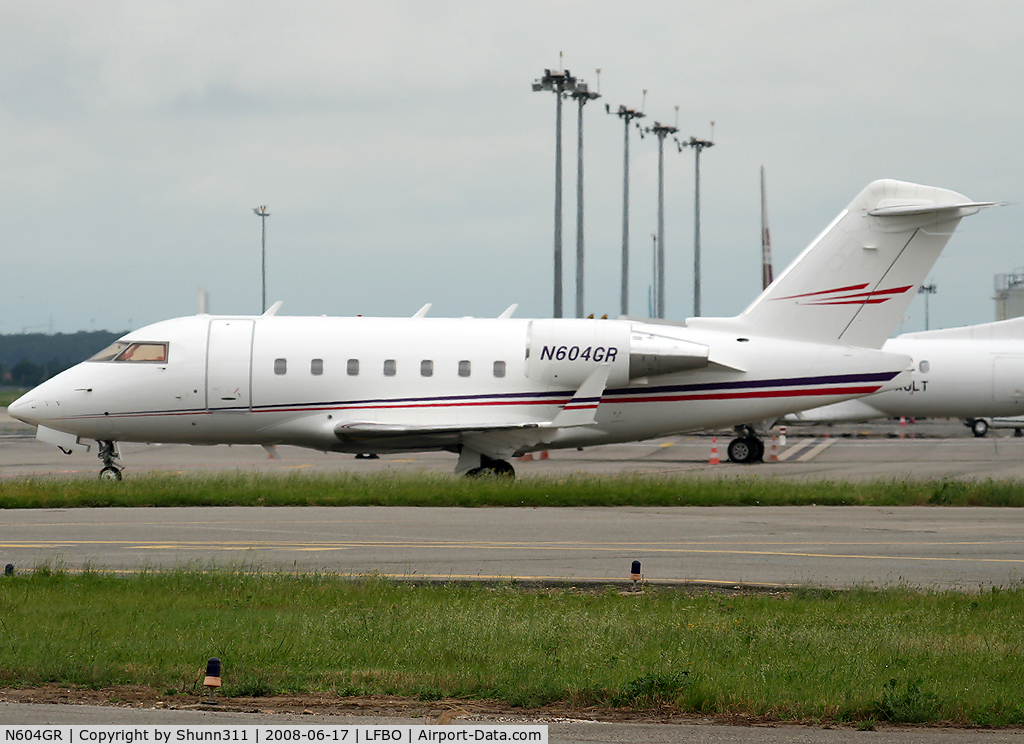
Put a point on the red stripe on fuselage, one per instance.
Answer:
(654, 398)
(862, 390)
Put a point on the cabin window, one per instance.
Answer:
(464, 368)
(389, 367)
(499, 369)
(924, 366)
(280, 366)
(132, 351)
(427, 368)
(353, 367)
(316, 367)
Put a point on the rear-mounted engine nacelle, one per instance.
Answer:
(565, 352)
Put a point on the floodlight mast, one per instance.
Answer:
(561, 84)
(652, 300)
(767, 273)
(661, 131)
(582, 94)
(698, 145)
(627, 115)
(927, 290)
(262, 213)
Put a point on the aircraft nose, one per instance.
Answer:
(21, 409)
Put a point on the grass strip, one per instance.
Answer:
(860, 656)
(9, 396)
(444, 490)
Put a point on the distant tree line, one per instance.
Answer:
(26, 359)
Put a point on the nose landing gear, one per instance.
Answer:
(109, 455)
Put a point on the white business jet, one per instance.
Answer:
(491, 389)
(975, 373)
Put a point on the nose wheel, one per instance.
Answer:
(109, 456)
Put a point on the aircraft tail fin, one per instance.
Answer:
(854, 282)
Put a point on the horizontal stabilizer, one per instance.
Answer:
(898, 210)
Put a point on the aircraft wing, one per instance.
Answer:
(500, 437)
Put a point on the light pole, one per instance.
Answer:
(582, 94)
(927, 290)
(627, 115)
(560, 83)
(698, 145)
(262, 213)
(767, 272)
(661, 131)
(652, 301)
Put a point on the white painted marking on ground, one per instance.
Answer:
(825, 444)
(800, 445)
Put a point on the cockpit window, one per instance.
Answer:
(109, 353)
(127, 351)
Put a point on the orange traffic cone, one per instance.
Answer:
(714, 451)
(774, 455)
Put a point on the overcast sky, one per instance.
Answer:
(405, 159)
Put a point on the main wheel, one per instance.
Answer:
(110, 473)
(979, 427)
(746, 450)
(740, 450)
(758, 450)
(498, 468)
(503, 468)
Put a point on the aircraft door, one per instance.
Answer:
(229, 365)
(1008, 380)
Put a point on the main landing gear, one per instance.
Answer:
(979, 427)
(108, 454)
(492, 467)
(747, 448)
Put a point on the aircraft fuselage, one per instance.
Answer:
(388, 384)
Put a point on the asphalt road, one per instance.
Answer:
(778, 546)
(769, 547)
(560, 731)
(886, 451)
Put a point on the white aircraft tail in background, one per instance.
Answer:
(492, 389)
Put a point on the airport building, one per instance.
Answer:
(1009, 295)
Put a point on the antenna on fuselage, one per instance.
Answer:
(204, 301)
(272, 310)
